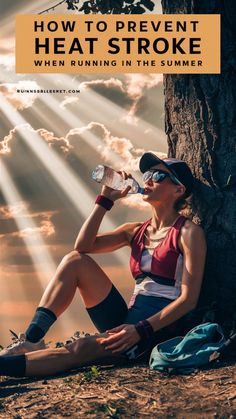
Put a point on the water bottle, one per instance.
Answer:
(109, 177)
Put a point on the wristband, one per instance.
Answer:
(104, 202)
(144, 329)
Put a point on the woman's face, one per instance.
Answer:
(164, 191)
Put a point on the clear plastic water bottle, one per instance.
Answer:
(109, 177)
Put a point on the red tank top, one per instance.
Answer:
(165, 255)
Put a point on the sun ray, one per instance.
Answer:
(44, 265)
(105, 107)
(33, 240)
(70, 120)
(76, 191)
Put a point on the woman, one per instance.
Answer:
(167, 261)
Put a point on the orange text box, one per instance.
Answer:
(118, 43)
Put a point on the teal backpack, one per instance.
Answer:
(198, 347)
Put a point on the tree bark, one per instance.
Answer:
(201, 129)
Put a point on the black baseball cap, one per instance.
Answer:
(179, 169)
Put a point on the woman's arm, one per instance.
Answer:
(193, 244)
(106, 242)
(88, 240)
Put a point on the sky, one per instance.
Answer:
(49, 145)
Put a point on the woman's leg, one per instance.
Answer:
(76, 270)
(52, 361)
(80, 271)
(80, 353)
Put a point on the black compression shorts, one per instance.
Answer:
(113, 311)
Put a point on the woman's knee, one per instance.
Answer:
(75, 258)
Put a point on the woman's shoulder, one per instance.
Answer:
(190, 227)
(191, 232)
(131, 228)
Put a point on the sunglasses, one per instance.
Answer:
(158, 176)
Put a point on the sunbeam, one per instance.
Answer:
(32, 238)
(72, 121)
(75, 190)
(97, 106)
(44, 265)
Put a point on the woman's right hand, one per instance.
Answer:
(115, 194)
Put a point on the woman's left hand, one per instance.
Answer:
(120, 338)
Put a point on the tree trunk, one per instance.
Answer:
(201, 129)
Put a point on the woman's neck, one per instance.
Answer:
(163, 217)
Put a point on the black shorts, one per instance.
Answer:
(113, 311)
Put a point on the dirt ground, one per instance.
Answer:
(124, 392)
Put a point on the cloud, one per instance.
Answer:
(117, 152)
(7, 61)
(68, 101)
(136, 87)
(123, 148)
(5, 143)
(42, 220)
(112, 89)
(25, 237)
(45, 229)
(129, 97)
(10, 211)
(16, 93)
(96, 128)
(10, 141)
(127, 156)
(112, 83)
(127, 93)
(136, 83)
(57, 143)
